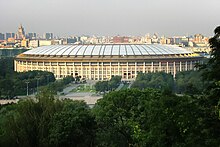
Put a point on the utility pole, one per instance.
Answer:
(27, 86)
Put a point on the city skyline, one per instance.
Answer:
(110, 18)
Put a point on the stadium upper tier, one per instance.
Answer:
(108, 50)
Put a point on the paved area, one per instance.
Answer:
(130, 84)
(3, 102)
(69, 88)
(89, 97)
(90, 100)
(119, 87)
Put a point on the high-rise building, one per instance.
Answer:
(198, 38)
(34, 43)
(20, 33)
(9, 35)
(119, 39)
(32, 35)
(48, 36)
(2, 36)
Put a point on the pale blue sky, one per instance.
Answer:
(111, 17)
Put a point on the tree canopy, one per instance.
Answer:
(46, 121)
(102, 86)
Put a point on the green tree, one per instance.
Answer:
(73, 126)
(189, 82)
(68, 80)
(148, 118)
(159, 80)
(27, 124)
(101, 86)
(212, 67)
(211, 100)
(114, 82)
(46, 121)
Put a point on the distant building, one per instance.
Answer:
(9, 35)
(2, 36)
(57, 42)
(32, 35)
(48, 36)
(34, 43)
(21, 33)
(119, 39)
(155, 38)
(45, 42)
(70, 40)
(198, 38)
(11, 40)
(25, 43)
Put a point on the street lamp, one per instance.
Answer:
(27, 86)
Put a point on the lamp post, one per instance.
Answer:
(27, 86)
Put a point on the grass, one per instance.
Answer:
(83, 88)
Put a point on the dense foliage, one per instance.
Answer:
(46, 121)
(58, 85)
(159, 80)
(188, 82)
(151, 118)
(103, 86)
(14, 83)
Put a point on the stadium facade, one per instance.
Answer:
(101, 62)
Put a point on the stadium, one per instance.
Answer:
(101, 62)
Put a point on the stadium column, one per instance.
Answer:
(144, 67)
(43, 66)
(26, 66)
(159, 66)
(82, 70)
(74, 70)
(135, 70)
(167, 67)
(90, 73)
(119, 69)
(58, 71)
(37, 65)
(152, 66)
(127, 72)
(102, 72)
(50, 66)
(186, 66)
(66, 69)
(191, 65)
(180, 66)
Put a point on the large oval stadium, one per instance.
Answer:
(101, 62)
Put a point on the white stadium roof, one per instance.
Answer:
(108, 50)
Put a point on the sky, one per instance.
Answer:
(111, 17)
